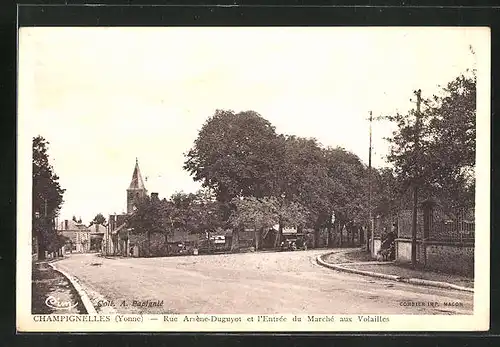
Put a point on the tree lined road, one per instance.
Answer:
(250, 283)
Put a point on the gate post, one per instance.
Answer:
(428, 212)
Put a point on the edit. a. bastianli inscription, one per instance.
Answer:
(133, 303)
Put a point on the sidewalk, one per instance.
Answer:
(358, 261)
(51, 292)
(347, 255)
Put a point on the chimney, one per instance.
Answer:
(154, 196)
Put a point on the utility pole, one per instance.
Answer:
(415, 183)
(370, 227)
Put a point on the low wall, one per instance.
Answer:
(456, 258)
(403, 251)
(449, 257)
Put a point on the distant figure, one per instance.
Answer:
(387, 249)
(394, 229)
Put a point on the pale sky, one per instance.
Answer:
(104, 96)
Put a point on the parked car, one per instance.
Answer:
(288, 245)
(301, 244)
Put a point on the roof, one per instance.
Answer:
(72, 225)
(137, 182)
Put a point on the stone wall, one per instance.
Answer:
(456, 258)
(448, 257)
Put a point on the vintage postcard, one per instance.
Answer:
(253, 179)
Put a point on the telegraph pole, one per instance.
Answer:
(370, 228)
(415, 183)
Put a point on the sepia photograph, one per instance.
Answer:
(251, 178)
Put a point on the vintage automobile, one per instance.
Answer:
(288, 245)
(216, 244)
(293, 244)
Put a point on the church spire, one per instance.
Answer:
(137, 182)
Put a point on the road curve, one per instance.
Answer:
(250, 283)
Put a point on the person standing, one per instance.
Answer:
(392, 235)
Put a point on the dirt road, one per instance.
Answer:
(250, 283)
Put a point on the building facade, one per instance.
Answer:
(97, 232)
(78, 236)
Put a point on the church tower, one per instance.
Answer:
(136, 191)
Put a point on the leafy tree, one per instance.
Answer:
(56, 242)
(443, 163)
(453, 148)
(47, 196)
(234, 155)
(195, 212)
(434, 151)
(302, 177)
(325, 180)
(303, 173)
(181, 209)
(186, 213)
(387, 192)
(240, 155)
(348, 189)
(206, 215)
(99, 219)
(251, 211)
(148, 219)
(76, 220)
(264, 213)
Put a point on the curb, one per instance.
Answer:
(83, 296)
(415, 281)
(320, 261)
(437, 284)
(366, 263)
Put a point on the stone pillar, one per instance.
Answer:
(428, 211)
(428, 214)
